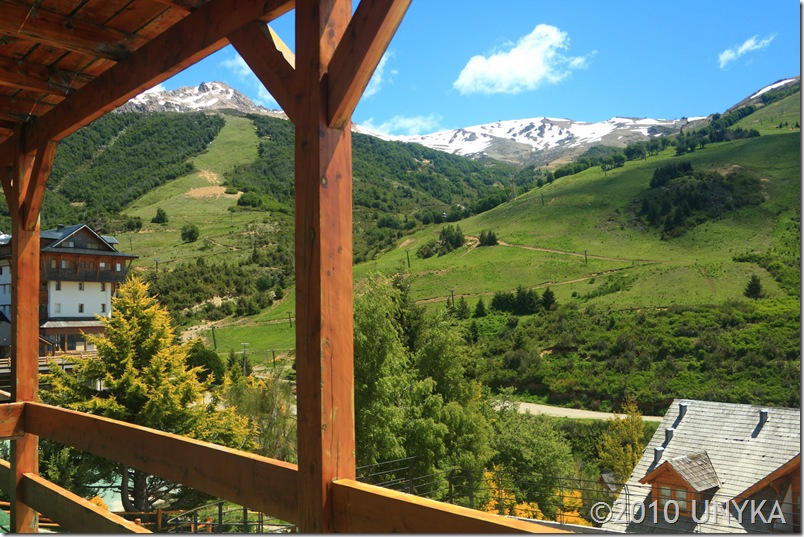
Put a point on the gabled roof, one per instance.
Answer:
(62, 233)
(741, 448)
(695, 469)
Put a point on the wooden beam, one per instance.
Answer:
(323, 239)
(35, 77)
(264, 484)
(72, 512)
(362, 508)
(25, 327)
(22, 109)
(42, 26)
(358, 54)
(270, 60)
(35, 193)
(199, 34)
(10, 420)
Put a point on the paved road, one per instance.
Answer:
(574, 412)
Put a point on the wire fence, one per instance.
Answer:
(592, 505)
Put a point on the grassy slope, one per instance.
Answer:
(591, 212)
(198, 199)
(588, 213)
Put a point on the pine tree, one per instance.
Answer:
(754, 288)
(480, 309)
(141, 376)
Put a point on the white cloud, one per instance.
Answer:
(378, 78)
(238, 66)
(401, 125)
(750, 45)
(534, 60)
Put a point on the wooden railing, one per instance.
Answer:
(264, 484)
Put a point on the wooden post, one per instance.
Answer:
(24, 190)
(324, 317)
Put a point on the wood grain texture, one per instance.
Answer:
(359, 52)
(362, 508)
(270, 60)
(324, 316)
(11, 424)
(264, 484)
(72, 512)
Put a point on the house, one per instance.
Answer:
(79, 273)
(713, 468)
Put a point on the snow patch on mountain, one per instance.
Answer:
(207, 96)
(544, 134)
(775, 85)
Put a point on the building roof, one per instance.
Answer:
(53, 240)
(696, 469)
(83, 323)
(741, 448)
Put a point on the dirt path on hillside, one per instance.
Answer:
(533, 408)
(576, 254)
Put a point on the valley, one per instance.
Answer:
(637, 312)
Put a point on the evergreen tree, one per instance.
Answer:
(141, 376)
(480, 308)
(548, 299)
(754, 288)
(462, 310)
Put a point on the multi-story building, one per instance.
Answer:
(79, 273)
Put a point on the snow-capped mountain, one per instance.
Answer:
(542, 139)
(208, 96)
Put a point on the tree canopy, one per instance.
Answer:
(140, 375)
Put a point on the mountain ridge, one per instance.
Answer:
(536, 141)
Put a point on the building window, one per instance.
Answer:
(680, 496)
(103, 265)
(103, 308)
(65, 264)
(58, 286)
(118, 267)
(103, 286)
(56, 308)
(53, 263)
(80, 286)
(80, 308)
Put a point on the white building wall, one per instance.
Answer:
(96, 298)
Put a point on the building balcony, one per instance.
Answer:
(72, 275)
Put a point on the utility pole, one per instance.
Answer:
(452, 293)
(585, 259)
(244, 358)
(407, 253)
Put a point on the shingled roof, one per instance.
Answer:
(742, 444)
(695, 469)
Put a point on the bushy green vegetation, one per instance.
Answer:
(397, 186)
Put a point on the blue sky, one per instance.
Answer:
(458, 63)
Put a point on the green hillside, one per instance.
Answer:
(648, 277)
